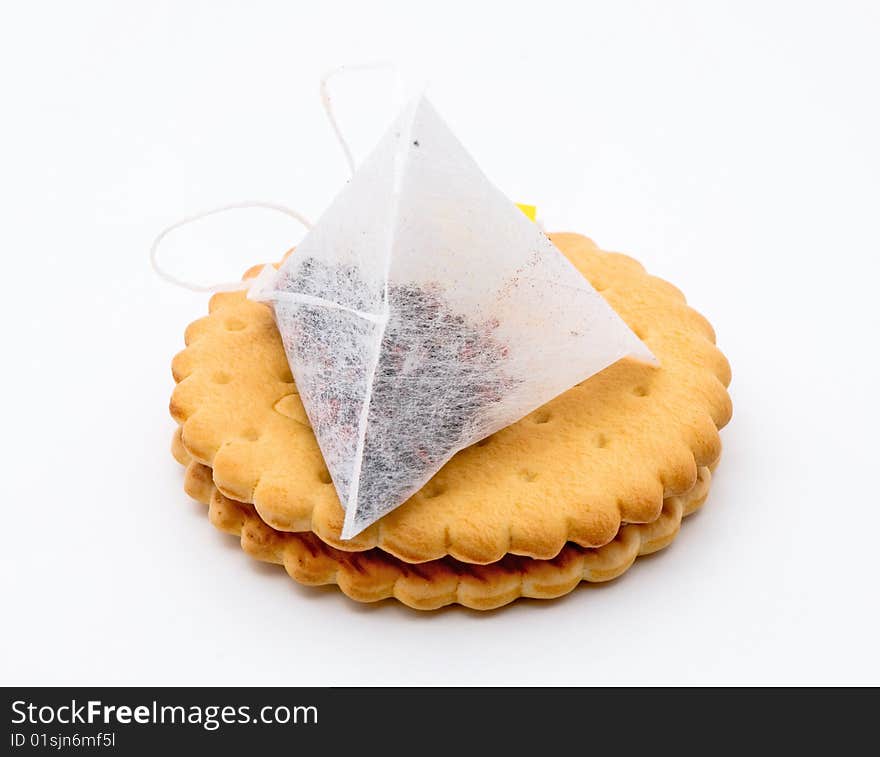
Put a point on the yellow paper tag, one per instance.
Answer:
(530, 210)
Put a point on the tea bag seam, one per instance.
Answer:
(298, 298)
(401, 159)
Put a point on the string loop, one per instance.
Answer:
(222, 287)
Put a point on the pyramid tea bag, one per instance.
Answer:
(424, 312)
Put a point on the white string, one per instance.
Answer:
(331, 116)
(327, 101)
(223, 287)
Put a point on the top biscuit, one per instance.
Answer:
(605, 452)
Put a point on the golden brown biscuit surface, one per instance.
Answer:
(374, 574)
(605, 452)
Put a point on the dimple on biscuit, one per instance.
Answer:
(607, 452)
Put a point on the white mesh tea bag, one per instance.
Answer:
(424, 312)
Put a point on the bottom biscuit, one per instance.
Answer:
(374, 574)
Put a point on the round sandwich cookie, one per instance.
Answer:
(610, 452)
(373, 575)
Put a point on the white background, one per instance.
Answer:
(732, 147)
